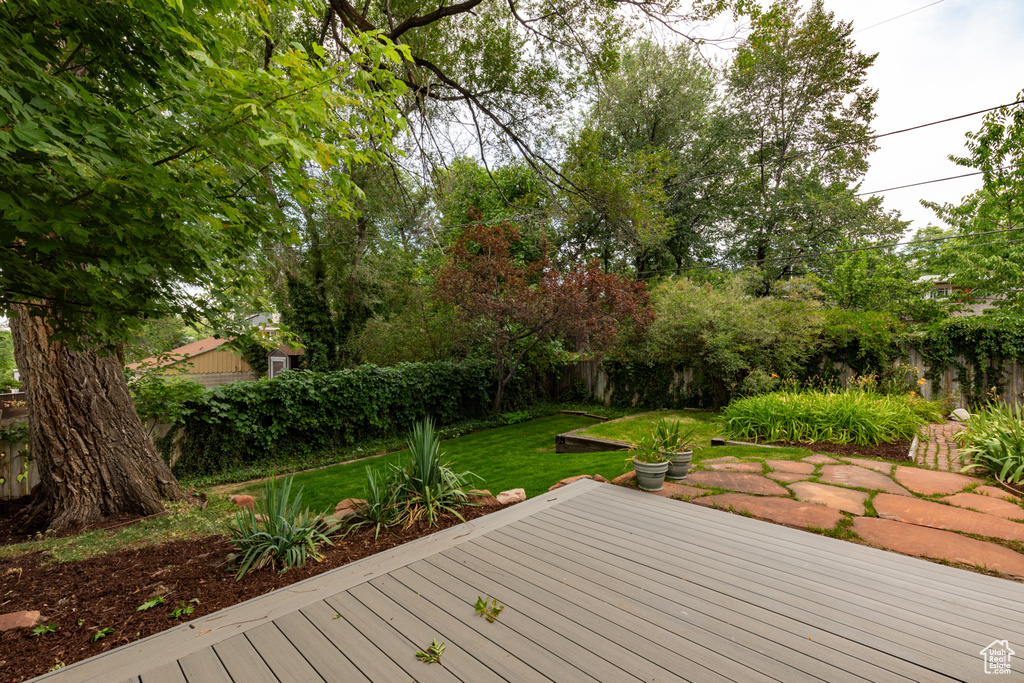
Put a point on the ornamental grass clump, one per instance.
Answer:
(994, 440)
(278, 532)
(848, 416)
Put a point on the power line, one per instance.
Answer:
(900, 16)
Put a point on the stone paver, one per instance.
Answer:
(938, 545)
(671, 489)
(779, 510)
(936, 448)
(726, 458)
(876, 465)
(737, 467)
(996, 492)
(851, 475)
(938, 516)
(789, 477)
(846, 500)
(13, 620)
(791, 466)
(987, 504)
(930, 482)
(819, 459)
(738, 481)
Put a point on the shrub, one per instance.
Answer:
(278, 531)
(850, 416)
(994, 440)
(161, 397)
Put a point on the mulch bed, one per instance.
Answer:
(887, 451)
(104, 592)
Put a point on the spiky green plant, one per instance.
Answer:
(993, 440)
(279, 531)
(381, 508)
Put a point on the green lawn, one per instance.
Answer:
(633, 428)
(515, 456)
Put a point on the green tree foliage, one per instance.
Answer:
(153, 337)
(149, 148)
(989, 265)
(798, 85)
(7, 364)
(880, 280)
(725, 332)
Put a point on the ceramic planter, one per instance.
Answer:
(678, 464)
(650, 476)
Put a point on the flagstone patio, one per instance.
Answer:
(930, 513)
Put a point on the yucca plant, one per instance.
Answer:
(278, 532)
(428, 488)
(993, 440)
(381, 509)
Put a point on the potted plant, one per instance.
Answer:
(673, 443)
(649, 463)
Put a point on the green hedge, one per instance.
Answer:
(241, 423)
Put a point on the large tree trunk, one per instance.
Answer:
(94, 457)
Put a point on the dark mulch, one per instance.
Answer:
(86, 596)
(887, 451)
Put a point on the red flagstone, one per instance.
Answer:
(738, 481)
(876, 465)
(930, 482)
(847, 500)
(939, 545)
(987, 504)
(997, 492)
(939, 516)
(819, 459)
(792, 466)
(671, 489)
(779, 510)
(737, 467)
(789, 477)
(851, 475)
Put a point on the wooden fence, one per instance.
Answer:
(17, 471)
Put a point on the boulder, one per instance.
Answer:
(482, 498)
(14, 620)
(959, 415)
(347, 508)
(243, 501)
(569, 480)
(598, 477)
(512, 496)
(624, 479)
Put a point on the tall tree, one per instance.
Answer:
(989, 265)
(150, 147)
(798, 87)
(514, 300)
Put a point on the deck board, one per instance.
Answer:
(605, 584)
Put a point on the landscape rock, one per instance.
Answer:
(959, 415)
(851, 475)
(996, 492)
(598, 477)
(483, 497)
(932, 482)
(738, 481)
(791, 466)
(846, 500)
(819, 459)
(569, 480)
(938, 545)
(779, 510)
(348, 507)
(671, 489)
(939, 516)
(13, 620)
(243, 501)
(987, 504)
(876, 465)
(788, 477)
(624, 479)
(755, 467)
(512, 496)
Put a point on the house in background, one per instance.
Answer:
(943, 290)
(203, 361)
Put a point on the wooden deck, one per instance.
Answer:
(600, 583)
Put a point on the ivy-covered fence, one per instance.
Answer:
(18, 472)
(241, 423)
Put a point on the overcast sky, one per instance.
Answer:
(954, 57)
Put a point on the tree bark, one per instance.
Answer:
(94, 457)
